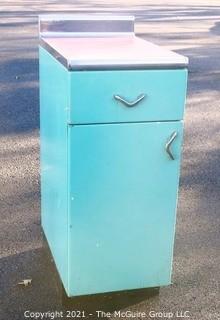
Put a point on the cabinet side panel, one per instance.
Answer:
(53, 141)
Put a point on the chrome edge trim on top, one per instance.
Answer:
(108, 65)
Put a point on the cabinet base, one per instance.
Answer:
(107, 302)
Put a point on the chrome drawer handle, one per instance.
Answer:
(130, 103)
(168, 144)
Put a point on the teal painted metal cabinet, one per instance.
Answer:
(110, 163)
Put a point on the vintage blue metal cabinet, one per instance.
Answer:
(111, 111)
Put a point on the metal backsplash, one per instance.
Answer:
(85, 25)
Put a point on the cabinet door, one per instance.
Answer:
(122, 201)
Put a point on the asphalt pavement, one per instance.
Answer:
(188, 27)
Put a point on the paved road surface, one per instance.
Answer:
(189, 27)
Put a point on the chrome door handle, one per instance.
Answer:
(168, 144)
(130, 103)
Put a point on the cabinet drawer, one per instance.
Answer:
(97, 96)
